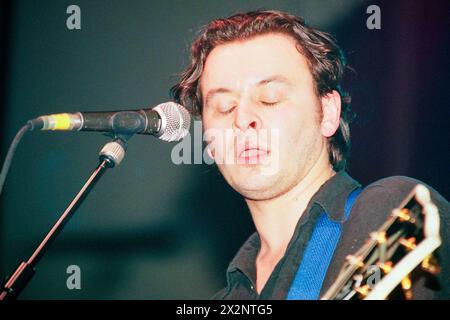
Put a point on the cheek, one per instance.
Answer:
(286, 121)
(219, 140)
(211, 122)
(296, 128)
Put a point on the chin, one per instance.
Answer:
(257, 187)
(259, 195)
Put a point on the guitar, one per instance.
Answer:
(385, 265)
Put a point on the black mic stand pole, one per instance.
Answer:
(110, 155)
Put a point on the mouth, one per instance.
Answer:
(252, 155)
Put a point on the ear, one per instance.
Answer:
(331, 111)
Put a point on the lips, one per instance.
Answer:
(252, 154)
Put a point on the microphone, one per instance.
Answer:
(168, 121)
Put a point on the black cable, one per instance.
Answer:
(10, 154)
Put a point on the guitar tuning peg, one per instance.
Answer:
(409, 244)
(363, 291)
(385, 267)
(404, 215)
(354, 260)
(431, 265)
(406, 286)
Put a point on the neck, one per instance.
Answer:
(275, 219)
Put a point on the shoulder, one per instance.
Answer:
(388, 193)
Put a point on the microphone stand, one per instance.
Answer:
(110, 155)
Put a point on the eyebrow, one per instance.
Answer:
(275, 78)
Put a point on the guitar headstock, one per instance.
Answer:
(388, 259)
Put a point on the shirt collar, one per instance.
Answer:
(245, 259)
(333, 194)
(331, 197)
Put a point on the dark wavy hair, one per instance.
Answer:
(325, 60)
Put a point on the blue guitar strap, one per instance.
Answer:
(317, 257)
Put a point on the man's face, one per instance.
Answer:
(261, 90)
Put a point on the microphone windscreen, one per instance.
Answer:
(175, 121)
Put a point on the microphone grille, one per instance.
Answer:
(175, 121)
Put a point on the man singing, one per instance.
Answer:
(267, 71)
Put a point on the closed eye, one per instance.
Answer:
(228, 110)
(269, 104)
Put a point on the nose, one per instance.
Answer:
(246, 117)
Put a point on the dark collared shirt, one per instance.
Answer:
(369, 212)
